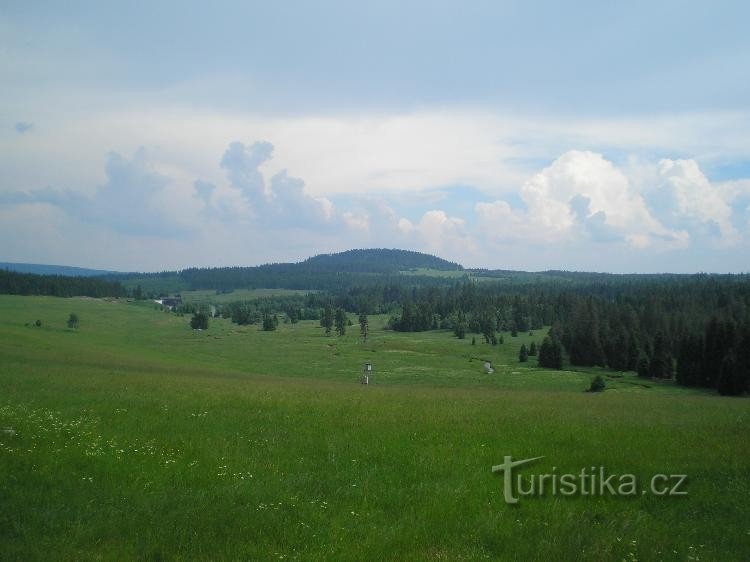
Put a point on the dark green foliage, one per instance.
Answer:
(550, 354)
(12, 283)
(199, 321)
(270, 322)
(523, 354)
(690, 360)
(486, 325)
(73, 320)
(643, 368)
(597, 384)
(38, 323)
(660, 365)
(326, 319)
(363, 326)
(730, 381)
(582, 337)
(327, 272)
(460, 325)
(340, 321)
(532, 349)
(473, 340)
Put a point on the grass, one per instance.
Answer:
(237, 295)
(137, 438)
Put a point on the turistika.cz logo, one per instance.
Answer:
(590, 481)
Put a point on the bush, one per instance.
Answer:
(199, 321)
(270, 322)
(73, 320)
(597, 384)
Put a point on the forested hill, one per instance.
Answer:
(378, 260)
(328, 272)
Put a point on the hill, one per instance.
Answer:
(378, 260)
(322, 272)
(43, 269)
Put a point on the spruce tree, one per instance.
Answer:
(363, 326)
(326, 320)
(340, 321)
(523, 354)
(550, 354)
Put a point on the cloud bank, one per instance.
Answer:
(580, 205)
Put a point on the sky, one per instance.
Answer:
(597, 136)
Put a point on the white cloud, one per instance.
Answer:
(579, 193)
(441, 234)
(695, 198)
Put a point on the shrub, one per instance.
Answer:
(597, 384)
(199, 321)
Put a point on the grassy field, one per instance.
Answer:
(237, 295)
(137, 438)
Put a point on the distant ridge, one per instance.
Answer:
(66, 270)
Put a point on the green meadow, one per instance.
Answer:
(135, 437)
(209, 296)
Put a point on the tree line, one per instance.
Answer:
(14, 283)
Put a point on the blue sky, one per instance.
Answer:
(586, 135)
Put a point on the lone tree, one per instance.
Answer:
(363, 326)
(532, 348)
(326, 320)
(199, 321)
(341, 321)
(72, 321)
(523, 355)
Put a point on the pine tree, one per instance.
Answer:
(363, 326)
(523, 355)
(73, 320)
(459, 329)
(730, 381)
(199, 321)
(550, 354)
(660, 366)
(532, 349)
(270, 322)
(326, 320)
(689, 359)
(340, 321)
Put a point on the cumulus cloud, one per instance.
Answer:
(564, 215)
(580, 193)
(692, 198)
(439, 233)
(131, 201)
(284, 201)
